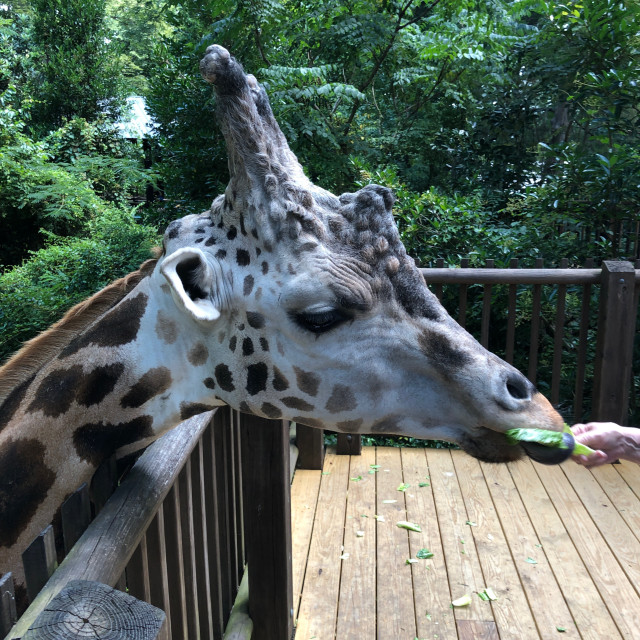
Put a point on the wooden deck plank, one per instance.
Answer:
(396, 614)
(621, 540)
(431, 594)
(613, 585)
(318, 606)
(511, 612)
(626, 502)
(463, 566)
(545, 597)
(304, 498)
(476, 630)
(591, 616)
(630, 471)
(357, 604)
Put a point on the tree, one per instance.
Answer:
(74, 69)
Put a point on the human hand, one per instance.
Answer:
(604, 437)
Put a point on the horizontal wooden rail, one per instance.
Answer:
(513, 276)
(103, 551)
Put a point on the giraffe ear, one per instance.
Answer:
(193, 283)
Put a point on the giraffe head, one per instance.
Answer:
(310, 309)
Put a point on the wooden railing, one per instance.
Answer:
(202, 503)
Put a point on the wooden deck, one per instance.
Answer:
(559, 546)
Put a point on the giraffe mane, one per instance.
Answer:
(38, 351)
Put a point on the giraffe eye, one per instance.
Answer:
(320, 321)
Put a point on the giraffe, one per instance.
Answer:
(283, 301)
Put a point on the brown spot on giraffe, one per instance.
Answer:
(247, 287)
(190, 409)
(255, 320)
(297, 403)
(173, 229)
(198, 354)
(166, 328)
(99, 383)
(280, 383)
(24, 483)
(152, 383)
(341, 399)
(257, 375)
(13, 401)
(270, 411)
(118, 327)
(438, 347)
(388, 424)
(57, 391)
(349, 426)
(243, 258)
(224, 377)
(94, 442)
(247, 347)
(307, 382)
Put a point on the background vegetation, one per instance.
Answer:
(508, 129)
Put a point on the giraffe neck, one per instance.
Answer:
(118, 383)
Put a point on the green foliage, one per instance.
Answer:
(136, 26)
(591, 164)
(331, 439)
(36, 192)
(74, 71)
(433, 225)
(96, 152)
(66, 271)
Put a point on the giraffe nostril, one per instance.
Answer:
(518, 388)
(513, 391)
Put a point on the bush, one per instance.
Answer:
(97, 153)
(61, 183)
(435, 225)
(37, 293)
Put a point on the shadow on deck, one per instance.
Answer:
(559, 546)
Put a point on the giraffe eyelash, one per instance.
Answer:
(320, 321)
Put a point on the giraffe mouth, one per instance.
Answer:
(492, 446)
(550, 455)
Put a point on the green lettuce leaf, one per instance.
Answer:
(547, 438)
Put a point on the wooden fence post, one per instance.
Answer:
(310, 443)
(349, 444)
(266, 483)
(614, 346)
(8, 615)
(87, 609)
(39, 561)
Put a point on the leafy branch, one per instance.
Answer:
(422, 11)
